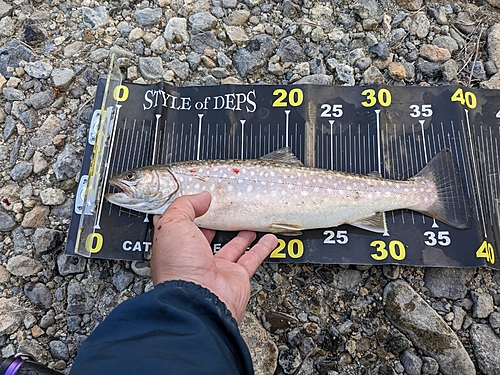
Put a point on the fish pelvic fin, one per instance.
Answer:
(286, 229)
(375, 223)
(452, 206)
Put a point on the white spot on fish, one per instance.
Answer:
(229, 188)
(272, 173)
(316, 189)
(181, 179)
(252, 173)
(290, 186)
(263, 182)
(212, 187)
(249, 188)
(197, 186)
(239, 194)
(303, 193)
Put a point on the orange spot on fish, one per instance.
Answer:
(192, 170)
(159, 227)
(236, 170)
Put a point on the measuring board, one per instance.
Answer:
(394, 131)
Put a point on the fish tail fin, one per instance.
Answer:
(452, 206)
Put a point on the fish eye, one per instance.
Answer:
(130, 176)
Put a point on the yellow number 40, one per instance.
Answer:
(487, 251)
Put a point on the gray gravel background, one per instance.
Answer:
(302, 319)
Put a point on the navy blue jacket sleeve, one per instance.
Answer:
(176, 328)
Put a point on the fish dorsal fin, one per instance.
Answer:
(376, 174)
(283, 155)
(286, 229)
(375, 223)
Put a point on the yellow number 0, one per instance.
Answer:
(89, 242)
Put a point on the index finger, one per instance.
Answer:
(252, 259)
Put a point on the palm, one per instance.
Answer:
(182, 251)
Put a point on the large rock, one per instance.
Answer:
(494, 44)
(426, 329)
(486, 345)
(262, 349)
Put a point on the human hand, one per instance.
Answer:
(181, 251)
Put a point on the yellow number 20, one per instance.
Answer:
(284, 98)
(294, 249)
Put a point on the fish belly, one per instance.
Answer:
(261, 197)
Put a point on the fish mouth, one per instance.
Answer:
(125, 189)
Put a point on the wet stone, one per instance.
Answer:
(79, 302)
(277, 322)
(7, 223)
(95, 17)
(46, 239)
(68, 265)
(290, 50)
(483, 305)
(148, 16)
(11, 54)
(254, 56)
(262, 349)
(486, 344)
(411, 362)
(11, 317)
(33, 34)
(5, 9)
(122, 279)
(450, 283)
(289, 360)
(38, 69)
(35, 218)
(67, 164)
(21, 171)
(39, 294)
(59, 350)
(48, 319)
(151, 67)
(21, 265)
(426, 329)
(62, 77)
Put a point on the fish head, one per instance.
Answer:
(148, 189)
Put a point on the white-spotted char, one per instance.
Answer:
(276, 193)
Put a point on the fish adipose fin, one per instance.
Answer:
(287, 229)
(452, 206)
(283, 155)
(375, 223)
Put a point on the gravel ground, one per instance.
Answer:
(302, 319)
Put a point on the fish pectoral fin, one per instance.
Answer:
(286, 229)
(375, 223)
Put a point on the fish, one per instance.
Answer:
(278, 194)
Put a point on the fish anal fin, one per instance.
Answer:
(286, 229)
(375, 223)
(283, 155)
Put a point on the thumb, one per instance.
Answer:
(187, 207)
